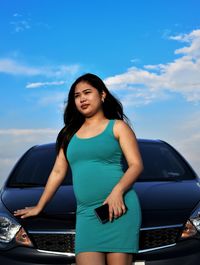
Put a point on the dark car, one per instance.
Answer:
(168, 190)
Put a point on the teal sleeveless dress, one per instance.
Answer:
(96, 165)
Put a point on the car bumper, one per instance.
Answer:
(25, 256)
(185, 252)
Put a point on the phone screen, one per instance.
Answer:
(102, 213)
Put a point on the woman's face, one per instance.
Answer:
(87, 98)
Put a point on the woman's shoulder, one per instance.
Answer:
(120, 126)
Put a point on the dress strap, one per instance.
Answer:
(110, 126)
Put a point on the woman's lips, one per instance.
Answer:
(84, 106)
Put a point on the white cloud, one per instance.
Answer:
(27, 132)
(13, 67)
(193, 40)
(181, 76)
(21, 25)
(135, 60)
(9, 66)
(40, 84)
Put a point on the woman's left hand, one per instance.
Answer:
(116, 203)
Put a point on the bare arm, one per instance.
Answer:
(129, 146)
(55, 179)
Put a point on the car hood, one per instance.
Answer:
(167, 202)
(162, 203)
(59, 212)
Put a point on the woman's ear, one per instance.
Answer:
(103, 96)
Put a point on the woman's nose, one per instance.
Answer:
(82, 98)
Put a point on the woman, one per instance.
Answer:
(94, 142)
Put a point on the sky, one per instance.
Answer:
(147, 53)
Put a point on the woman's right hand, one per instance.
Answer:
(27, 212)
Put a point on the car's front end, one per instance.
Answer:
(170, 231)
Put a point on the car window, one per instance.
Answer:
(161, 162)
(35, 167)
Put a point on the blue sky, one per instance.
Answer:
(147, 52)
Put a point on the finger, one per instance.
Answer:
(119, 211)
(111, 216)
(110, 213)
(105, 202)
(116, 214)
(25, 215)
(17, 214)
(20, 212)
(123, 208)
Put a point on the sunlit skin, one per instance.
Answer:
(88, 101)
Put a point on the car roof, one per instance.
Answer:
(52, 144)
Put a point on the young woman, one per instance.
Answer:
(94, 141)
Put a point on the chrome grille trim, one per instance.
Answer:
(161, 227)
(157, 248)
(144, 232)
(60, 232)
(60, 242)
(72, 231)
(159, 237)
(57, 253)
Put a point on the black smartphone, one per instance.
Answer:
(102, 212)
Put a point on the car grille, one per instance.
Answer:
(159, 237)
(64, 242)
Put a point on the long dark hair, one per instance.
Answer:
(73, 119)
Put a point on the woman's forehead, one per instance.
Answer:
(82, 86)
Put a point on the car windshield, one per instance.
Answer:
(34, 168)
(161, 163)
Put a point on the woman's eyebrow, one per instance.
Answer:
(85, 90)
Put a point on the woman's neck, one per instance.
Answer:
(96, 119)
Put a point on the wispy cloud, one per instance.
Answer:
(27, 132)
(40, 84)
(182, 75)
(13, 67)
(135, 60)
(19, 23)
(23, 22)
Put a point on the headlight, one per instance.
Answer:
(196, 223)
(12, 233)
(192, 226)
(7, 230)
